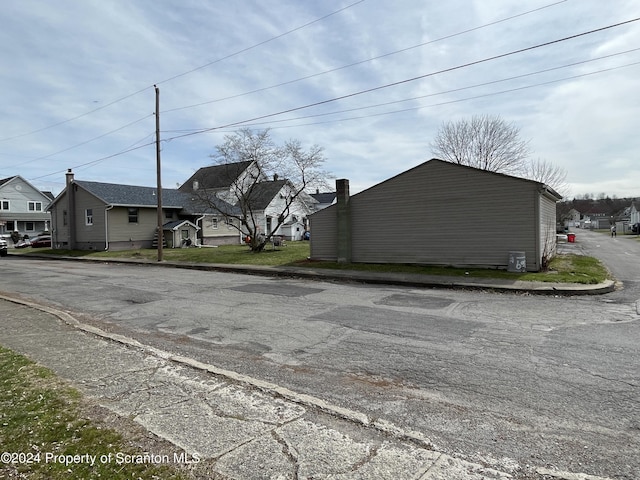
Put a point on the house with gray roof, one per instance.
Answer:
(105, 216)
(247, 189)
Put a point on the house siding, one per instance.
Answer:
(18, 193)
(441, 214)
(89, 237)
(547, 229)
(124, 235)
(324, 234)
(223, 235)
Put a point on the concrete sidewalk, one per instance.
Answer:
(236, 426)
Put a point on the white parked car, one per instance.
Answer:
(3, 248)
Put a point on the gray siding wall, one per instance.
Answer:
(60, 232)
(324, 233)
(139, 234)
(89, 237)
(439, 214)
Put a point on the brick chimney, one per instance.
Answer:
(344, 221)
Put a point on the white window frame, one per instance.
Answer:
(34, 206)
(133, 214)
(214, 223)
(3, 203)
(88, 216)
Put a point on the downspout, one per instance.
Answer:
(106, 227)
(200, 219)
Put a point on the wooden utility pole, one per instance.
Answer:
(159, 176)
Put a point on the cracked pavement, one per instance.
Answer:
(245, 432)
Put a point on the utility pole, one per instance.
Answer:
(159, 175)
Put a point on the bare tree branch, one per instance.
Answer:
(546, 172)
(485, 142)
(258, 171)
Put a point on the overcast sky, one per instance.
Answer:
(78, 76)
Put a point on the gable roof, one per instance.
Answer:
(5, 180)
(263, 193)
(174, 225)
(48, 196)
(324, 198)
(216, 176)
(434, 162)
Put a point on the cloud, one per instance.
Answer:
(66, 59)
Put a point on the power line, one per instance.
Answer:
(387, 86)
(62, 122)
(261, 43)
(90, 140)
(289, 82)
(449, 102)
(292, 81)
(468, 87)
(408, 80)
(128, 150)
(102, 159)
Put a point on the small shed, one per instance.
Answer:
(293, 230)
(180, 233)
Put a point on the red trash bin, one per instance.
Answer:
(571, 237)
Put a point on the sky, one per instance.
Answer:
(78, 84)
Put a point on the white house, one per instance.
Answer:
(246, 188)
(23, 208)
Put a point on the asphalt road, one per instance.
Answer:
(621, 254)
(545, 381)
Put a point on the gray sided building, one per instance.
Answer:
(440, 213)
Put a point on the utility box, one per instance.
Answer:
(517, 262)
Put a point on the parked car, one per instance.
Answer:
(3, 248)
(41, 242)
(24, 243)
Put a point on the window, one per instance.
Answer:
(133, 215)
(214, 223)
(64, 217)
(88, 216)
(35, 206)
(4, 205)
(30, 226)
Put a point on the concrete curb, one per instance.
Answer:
(374, 278)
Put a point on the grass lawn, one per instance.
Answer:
(564, 268)
(43, 426)
(226, 254)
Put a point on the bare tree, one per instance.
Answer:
(257, 170)
(546, 172)
(485, 142)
